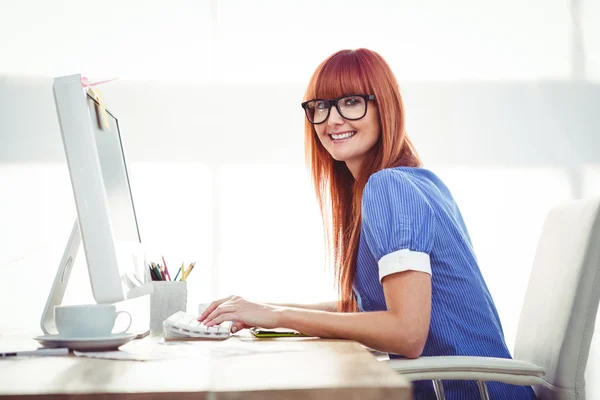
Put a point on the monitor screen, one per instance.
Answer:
(114, 171)
(121, 209)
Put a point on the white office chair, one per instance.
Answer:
(557, 320)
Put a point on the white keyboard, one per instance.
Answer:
(187, 325)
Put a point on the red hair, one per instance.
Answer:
(339, 194)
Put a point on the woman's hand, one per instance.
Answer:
(246, 314)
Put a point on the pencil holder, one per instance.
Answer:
(167, 297)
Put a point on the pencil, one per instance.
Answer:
(157, 272)
(152, 273)
(178, 271)
(189, 270)
(166, 269)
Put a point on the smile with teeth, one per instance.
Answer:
(345, 135)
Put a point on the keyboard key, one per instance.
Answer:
(188, 324)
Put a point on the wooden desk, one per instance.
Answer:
(241, 367)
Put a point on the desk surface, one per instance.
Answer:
(241, 367)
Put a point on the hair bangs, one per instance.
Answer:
(340, 75)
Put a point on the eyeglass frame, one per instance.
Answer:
(365, 97)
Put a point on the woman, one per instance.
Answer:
(408, 277)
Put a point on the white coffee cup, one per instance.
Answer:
(88, 320)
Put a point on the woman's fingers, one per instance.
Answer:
(238, 326)
(212, 307)
(227, 316)
(222, 309)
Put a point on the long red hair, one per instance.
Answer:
(339, 194)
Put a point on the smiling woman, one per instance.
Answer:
(409, 282)
(360, 118)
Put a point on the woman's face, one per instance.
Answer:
(348, 140)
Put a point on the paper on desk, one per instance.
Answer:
(143, 352)
(122, 355)
(167, 350)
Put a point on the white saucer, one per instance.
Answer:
(111, 342)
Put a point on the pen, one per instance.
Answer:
(62, 351)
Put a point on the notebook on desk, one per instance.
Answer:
(184, 326)
(276, 332)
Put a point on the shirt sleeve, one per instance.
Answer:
(398, 223)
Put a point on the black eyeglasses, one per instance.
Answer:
(351, 107)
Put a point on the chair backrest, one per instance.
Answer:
(559, 311)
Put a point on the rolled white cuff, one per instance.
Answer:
(404, 260)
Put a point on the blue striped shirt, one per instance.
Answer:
(411, 221)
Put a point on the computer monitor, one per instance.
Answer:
(106, 219)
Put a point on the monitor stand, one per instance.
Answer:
(138, 307)
(55, 297)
